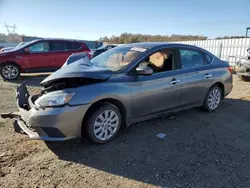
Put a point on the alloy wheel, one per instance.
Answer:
(106, 124)
(214, 99)
(10, 72)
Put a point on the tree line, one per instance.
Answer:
(126, 38)
(133, 38)
(10, 38)
(230, 37)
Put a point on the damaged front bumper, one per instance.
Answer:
(49, 124)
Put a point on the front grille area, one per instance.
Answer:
(50, 131)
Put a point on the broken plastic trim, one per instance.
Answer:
(11, 115)
(22, 96)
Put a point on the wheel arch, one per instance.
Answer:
(11, 62)
(102, 102)
(221, 86)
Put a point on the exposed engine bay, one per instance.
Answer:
(76, 74)
(67, 83)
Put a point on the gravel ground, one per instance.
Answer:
(199, 150)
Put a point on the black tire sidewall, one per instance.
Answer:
(244, 78)
(18, 69)
(205, 105)
(90, 123)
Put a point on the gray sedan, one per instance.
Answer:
(126, 84)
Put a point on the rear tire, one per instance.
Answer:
(103, 124)
(213, 99)
(10, 71)
(244, 78)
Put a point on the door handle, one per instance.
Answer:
(208, 75)
(174, 81)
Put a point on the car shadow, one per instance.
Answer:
(199, 148)
(31, 79)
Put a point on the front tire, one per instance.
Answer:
(103, 124)
(213, 99)
(10, 71)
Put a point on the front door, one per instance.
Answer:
(37, 57)
(160, 91)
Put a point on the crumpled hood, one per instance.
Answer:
(79, 69)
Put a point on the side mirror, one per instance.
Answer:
(144, 70)
(27, 50)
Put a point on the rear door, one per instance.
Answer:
(74, 46)
(59, 53)
(196, 75)
(61, 50)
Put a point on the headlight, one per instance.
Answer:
(54, 99)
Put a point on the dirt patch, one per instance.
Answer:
(245, 98)
(22, 149)
(199, 150)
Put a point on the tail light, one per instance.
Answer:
(89, 55)
(85, 48)
(231, 69)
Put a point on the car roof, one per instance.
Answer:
(56, 39)
(149, 45)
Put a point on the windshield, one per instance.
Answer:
(117, 58)
(19, 46)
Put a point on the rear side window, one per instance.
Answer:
(57, 46)
(208, 58)
(73, 45)
(191, 58)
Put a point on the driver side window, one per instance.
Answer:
(39, 47)
(160, 61)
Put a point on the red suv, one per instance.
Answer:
(43, 55)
